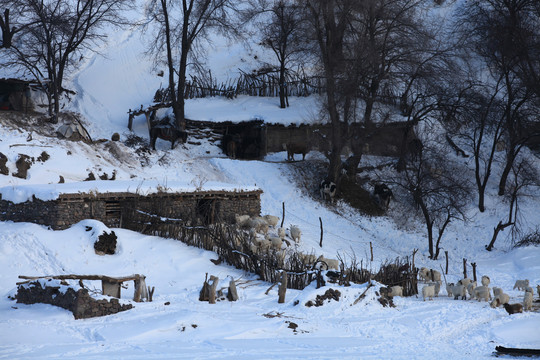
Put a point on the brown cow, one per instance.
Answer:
(295, 148)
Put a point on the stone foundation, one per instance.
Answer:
(79, 302)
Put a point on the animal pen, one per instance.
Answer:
(204, 219)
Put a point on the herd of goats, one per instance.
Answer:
(465, 286)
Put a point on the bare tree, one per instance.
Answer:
(498, 31)
(523, 176)
(476, 119)
(282, 31)
(180, 26)
(7, 30)
(330, 21)
(393, 48)
(437, 190)
(52, 34)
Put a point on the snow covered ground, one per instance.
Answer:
(256, 326)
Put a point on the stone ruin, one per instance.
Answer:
(79, 302)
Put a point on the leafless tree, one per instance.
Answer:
(181, 25)
(523, 175)
(330, 22)
(374, 51)
(499, 32)
(281, 24)
(476, 120)
(53, 34)
(437, 189)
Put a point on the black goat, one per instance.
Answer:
(382, 194)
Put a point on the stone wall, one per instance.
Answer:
(79, 302)
(113, 208)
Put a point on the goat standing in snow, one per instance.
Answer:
(327, 189)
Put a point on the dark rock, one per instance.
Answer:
(106, 243)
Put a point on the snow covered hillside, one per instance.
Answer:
(177, 325)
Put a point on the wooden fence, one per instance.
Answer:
(247, 84)
(233, 246)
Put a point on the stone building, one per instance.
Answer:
(125, 209)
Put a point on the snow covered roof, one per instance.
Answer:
(21, 193)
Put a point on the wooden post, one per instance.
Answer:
(212, 295)
(282, 288)
(130, 120)
(371, 250)
(205, 291)
(464, 268)
(320, 242)
(232, 295)
(151, 293)
(413, 254)
(283, 215)
(474, 271)
(446, 253)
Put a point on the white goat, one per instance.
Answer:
(482, 292)
(500, 299)
(281, 233)
(485, 280)
(497, 291)
(437, 286)
(470, 288)
(259, 224)
(330, 263)
(459, 290)
(428, 291)
(521, 284)
(449, 288)
(396, 291)
(275, 242)
(296, 233)
(465, 282)
(425, 274)
(271, 220)
(242, 220)
(529, 289)
(527, 301)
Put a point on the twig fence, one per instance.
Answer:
(266, 84)
(233, 246)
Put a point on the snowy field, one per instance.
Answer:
(256, 326)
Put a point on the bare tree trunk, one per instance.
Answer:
(282, 86)
(510, 157)
(170, 64)
(500, 227)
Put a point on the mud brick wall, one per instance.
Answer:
(113, 208)
(79, 302)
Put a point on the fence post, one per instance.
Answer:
(283, 215)
(446, 253)
(464, 268)
(282, 288)
(320, 243)
(371, 250)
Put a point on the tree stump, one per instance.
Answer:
(212, 295)
(232, 294)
